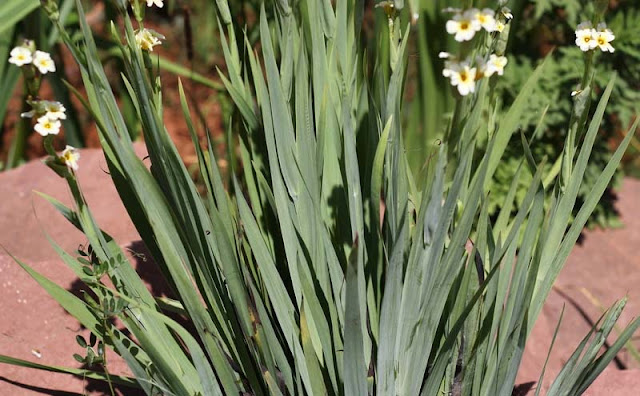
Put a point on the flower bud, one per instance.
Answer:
(51, 8)
(503, 39)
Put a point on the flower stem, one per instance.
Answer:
(581, 104)
(16, 151)
(48, 145)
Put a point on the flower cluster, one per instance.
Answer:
(588, 38)
(463, 75)
(465, 24)
(146, 39)
(48, 114)
(26, 54)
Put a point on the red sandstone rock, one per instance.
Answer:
(24, 216)
(602, 269)
(616, 383)
(35, 328)
(31, 322)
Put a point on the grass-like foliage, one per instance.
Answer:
(321, 267)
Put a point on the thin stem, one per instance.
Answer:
(31, 87)
(106, 371)
(104, 349)
(16, 151)
(578, 118)
(48, 145)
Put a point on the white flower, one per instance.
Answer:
(585, 36)
(495, 65)
(157, 3)
(147, 39)
(43, 62)
(486, 19)
(21, 56)
(500, 26)
(47, 126)
(70, 156)
(444, 55)
(506, 12)
(464, 25)
(55, 110)
(463, 77)
(603, 38)
(585, 39)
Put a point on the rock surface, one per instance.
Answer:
(605, 267)
(32, 324)
(614, 382)
(25, 217)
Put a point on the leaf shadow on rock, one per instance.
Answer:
(37, 389)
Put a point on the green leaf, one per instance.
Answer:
(355, 372)
(281, 116)
(101, 376)
(511, 121)
(389, 317)
(12, 11)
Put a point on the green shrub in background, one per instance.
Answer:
(546, 25)
(549, 25)
(322, 266)
(539, 27)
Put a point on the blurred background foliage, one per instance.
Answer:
(542, 28)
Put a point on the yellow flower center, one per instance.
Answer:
(601, 41)
(464, 76)
(464, 25)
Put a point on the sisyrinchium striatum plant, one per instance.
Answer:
(321, 265)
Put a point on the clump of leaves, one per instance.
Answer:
(323, 269)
